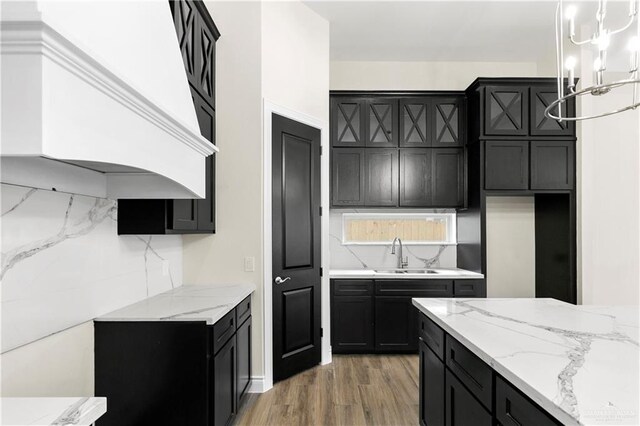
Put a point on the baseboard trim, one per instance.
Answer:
(257, 385)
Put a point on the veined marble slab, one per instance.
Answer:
(187, 303)
(52, 411)
(442, 273)
(580, 363)
(63, 263)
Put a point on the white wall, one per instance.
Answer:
(609, 202)
(276, 52)
(63, 264)
(511, 247)
(363, 75)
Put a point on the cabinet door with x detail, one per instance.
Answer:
(415, 122)
(347, 122)
(381, 118)
(506, 110)
(447, 122)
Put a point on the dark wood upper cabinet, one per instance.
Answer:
(197, 35)
(415, 122)
(378, 173)
(347, 122)
(381, 177)
(447, 177)
(347, 177)
(381, 122)
(448, 122)
(507, 165)
(552, 164)
(415, 177)
(506, 110)
(541, 98)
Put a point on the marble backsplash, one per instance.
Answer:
(379, 256)
(64, 264)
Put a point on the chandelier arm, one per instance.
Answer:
(579, 43)
(561, 100)
(619, 30)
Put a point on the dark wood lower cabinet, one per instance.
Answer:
(395, 324)
(224, 383)
(431, 387)
(182, 373)
(377, 316)
(243, 364)
(357, 311)
(462, 390)
(462, 409)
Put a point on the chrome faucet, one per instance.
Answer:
(403, 262)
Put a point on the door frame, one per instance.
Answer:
(269, 108)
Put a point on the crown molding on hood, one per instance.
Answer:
(63, 105)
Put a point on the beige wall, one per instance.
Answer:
(511, 247)
(295, 58)
(58, 365)
(362, 75)
(277, 52)
(219, 258)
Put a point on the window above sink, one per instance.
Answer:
(411, 228)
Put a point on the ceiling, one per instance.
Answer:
(452, 30)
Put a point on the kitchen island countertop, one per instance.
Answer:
(52, 411)
(579, 363)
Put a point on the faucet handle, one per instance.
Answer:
(405, 261)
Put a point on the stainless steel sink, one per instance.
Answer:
(406, 271)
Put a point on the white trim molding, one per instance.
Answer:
(270, 108)
(60, 103)
(257, 385)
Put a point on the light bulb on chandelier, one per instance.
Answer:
(601, 40)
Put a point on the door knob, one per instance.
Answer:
(280, 280)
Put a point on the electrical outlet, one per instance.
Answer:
(249, 264)
(165, 268)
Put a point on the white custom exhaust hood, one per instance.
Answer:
(96, 101)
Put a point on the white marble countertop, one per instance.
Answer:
(580, 363)
(442, 273)
(52, 411)
(186, 303)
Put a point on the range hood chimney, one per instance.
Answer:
(96, 101)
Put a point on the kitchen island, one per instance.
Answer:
(527, 362)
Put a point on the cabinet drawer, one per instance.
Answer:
(470, 370)
(515, 409)
(352, 287)
(432, 335)
(415, 288)
(469, 288)
(223, 330)
(243, 311)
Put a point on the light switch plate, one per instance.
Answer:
(249, 264)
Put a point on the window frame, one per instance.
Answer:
(449, 217)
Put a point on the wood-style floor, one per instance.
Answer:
(352, 390)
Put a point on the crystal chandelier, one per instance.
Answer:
(600, 41)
